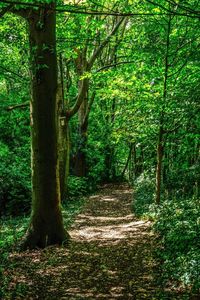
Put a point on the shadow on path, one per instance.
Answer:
(115, 249)
(109, 257)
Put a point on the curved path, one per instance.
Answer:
(117, 249)
(109, 257)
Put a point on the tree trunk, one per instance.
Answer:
(109, 171)
(64, 149)
(80, 165)
(46, 224)
(160, 149)
(63, 143)
(80, 161)
(127, 161)
(160, 146)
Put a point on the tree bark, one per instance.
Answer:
(127, 161)
(85, 65)
(160, 149)
(160, 145)
(80, 163)
(63, 142)
(64, 151)
(46, 224)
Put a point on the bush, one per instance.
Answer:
(15, 188)
(11, 231)
(143, 196)
(77, 187)
(15, 173)
(178, 225)
(177, 222)
(183, 182)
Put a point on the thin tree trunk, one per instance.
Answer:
(64, 150)
(160, 149)
(85, 65)
(80, 166)
(127, 161)
(160, 146)
(63, 136)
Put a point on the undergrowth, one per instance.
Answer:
(177, 223)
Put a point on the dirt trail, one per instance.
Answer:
(109, 257)
(117, 247)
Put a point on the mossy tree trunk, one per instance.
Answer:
(64, 151)
(46, 224)
(80, 166)
(63, 133)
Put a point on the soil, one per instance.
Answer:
(110, 256)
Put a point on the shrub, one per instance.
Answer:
(178, 224)
(143, 196)
(15, 189)
(77, 187)
(15, 173)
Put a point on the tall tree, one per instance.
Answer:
(84, 63)
(46, 223)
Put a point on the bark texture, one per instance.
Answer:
(80, 163)
(80, 167)
(46, 226)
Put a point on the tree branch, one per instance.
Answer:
(89, 107)
(183, 7)
(104, 43)
(114, 65)
(179, 70)
(189, 13)
(71, 112)
(83, 10)
(22, 105)
(179, 123)
(14, 73)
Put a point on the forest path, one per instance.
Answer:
(117, 249)
(109, 257)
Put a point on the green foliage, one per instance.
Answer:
(11, 231)
(15, 172)
(71, 208)
(158, 85)
(96, 159)
(143, 196)
(77, 187)
(15, 190)
(15, 194)
(178, 225)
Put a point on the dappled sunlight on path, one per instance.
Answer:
(107, 219)
(109, 256)
(115, 248)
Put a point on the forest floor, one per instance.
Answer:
(110, 256)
